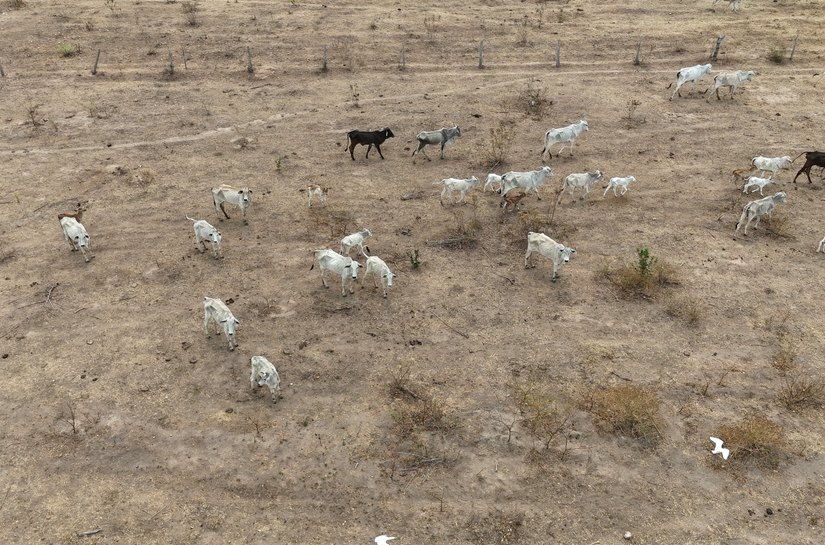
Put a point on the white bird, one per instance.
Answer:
(717, 448)
(382, 540)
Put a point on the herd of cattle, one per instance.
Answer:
(512, 186)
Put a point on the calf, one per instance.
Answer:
(756, 183)
(377, 268)
(563, 135)
(314, 190)
(77, 237)
(691, 73)
(369, 139)
(771, 164)
(335, 262)
(265, 374)
(456, 184)
(532, 179)
(205, 232)
(812, 159)
(617, 183)
(546, 246)
(729, 79)
(582, 180)
(217, 311)
(440, 137)
(356, 240)
(240, 197)
(758, 208)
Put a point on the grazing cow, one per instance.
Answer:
(442, 136)
(757, 183)
(493, 179)
(76, 214)
(821, 247)
(314, 190)
(617, 183)
(204, 231)
(513, 197)
(757, 209)
(241, 197)
(76, 236)
(691, 73)
(217, 311)
(265, 374)
(335, 262)
(771, 164)
(356, 240)
(563, 135)
(532, 179)
(377, 268)
(456, 184)
(369, 139)
(729, 79)
(546, 246)
(732, 4)
(812, 159)
(581, 180)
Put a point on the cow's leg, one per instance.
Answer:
(378, 149)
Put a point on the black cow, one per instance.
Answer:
(812, 159)
(369, 139)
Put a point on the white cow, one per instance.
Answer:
(314, 190)
(580, 180)
(493, 180)
(335, 262)
(204, 231)
(356, 240)
(771, 164)
(377, 268)
(756, 183)
(757, 209)
(690, 73)
(76, 236)
(617, 183)
(729, 79)
(564, 134)
(546, 246)
(240, 197)
(532, 179)
(732, 4)
(456, 184)
(217, 311)
(265, 374)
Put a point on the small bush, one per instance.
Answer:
(777, 54)
(755, 438)
(501, 140)
(497, 527)
(629, 410)
(68, 50)
(802, 391)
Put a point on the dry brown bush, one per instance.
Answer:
(495, 528)
(628, 410)
(757, 439)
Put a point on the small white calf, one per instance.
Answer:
(317, 191)
(771, 164)
(356, 240)
(580, 180)
(732, 4)
(821, 247)
(563, 135)
(757, 209)
(335, 262)
(204, 231)
(756, 183)
(493, 180)
(546, 246)
(729, 79)
(377, 268)
(265, 374)
(532, 179)
(617, 183)
(240, 197)
(691, 73)
(76, 236)
(217, 311)
(456, 184)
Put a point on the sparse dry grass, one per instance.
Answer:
(628, 410)
(755, 438)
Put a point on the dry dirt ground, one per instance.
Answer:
(463, 408)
